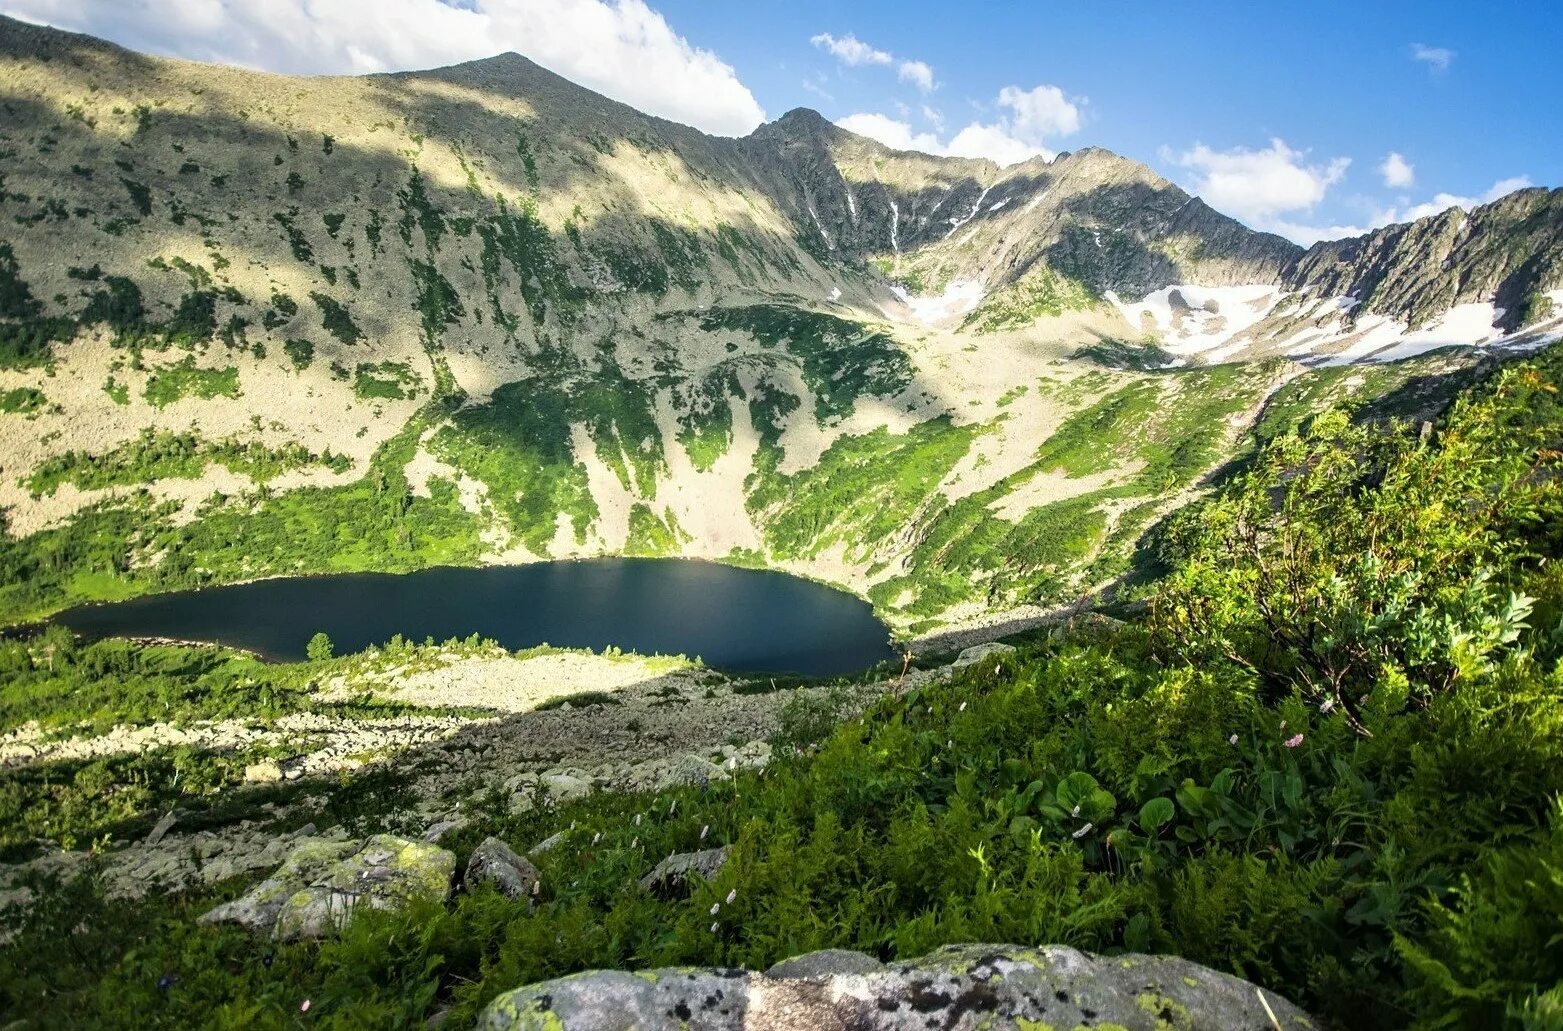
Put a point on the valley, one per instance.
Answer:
(818, 557)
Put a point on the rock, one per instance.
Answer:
(161, 828)
(262, 773)
(674, 875)
(497, 862)
(690, 771)
(321, 883)
(548, 844)
(825, 963)
(977, 652)
(566, 786)
(966, 986)
(438, 830)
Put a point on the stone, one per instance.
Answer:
(321, 883)
(690, 771)
(565, 787)
(440, 829)
(161, 828)
(548, 844)
(262, 773)
(824, 963)
(966, 986)
(674, 876)
(977, 652)
(496, 862)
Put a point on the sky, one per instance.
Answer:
(1315, 120)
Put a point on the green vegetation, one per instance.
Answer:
(651, 534)
(861, 493)
(373, 523)
(390, 380)
(185, 379)
(300, 352)
(840, 360)
(1329, 761)
(22, 401)
(181, 456)
(1041, 291)
(335, 319)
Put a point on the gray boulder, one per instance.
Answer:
(497, 863)
(674, 876)
(977, 652)
(959, 987)
(825, 963)
(322, 883)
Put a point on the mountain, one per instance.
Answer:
(254, 325)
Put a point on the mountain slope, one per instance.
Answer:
(252, 325)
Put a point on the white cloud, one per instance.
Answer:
(1034, 116)
(1444, 201)
(1381, 217)
(850, 50)
(1397, 171)
(919, 74)
(1040, 112)
(621, 48)
(995, 143)
(893, 133)
(1436, 58)
(1262, 186)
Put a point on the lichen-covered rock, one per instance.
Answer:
(960, 987)
(497, 863)
(321, 883)
(673, 877)
(977, 652)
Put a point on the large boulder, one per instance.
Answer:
(977, 652)
(322, 883)
(674, 876)
(959, 987)
(497, 863)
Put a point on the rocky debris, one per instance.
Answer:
(497, 863)
(977, 652)
(317, 889)
(673, 876)
(961, 986)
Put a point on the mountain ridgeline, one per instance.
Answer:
(254, 325)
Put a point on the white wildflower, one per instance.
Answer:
(1232, 740)
(715, 908)
(1083, 831)
(732, 895)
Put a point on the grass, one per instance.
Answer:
(388, 380)
(185, 379)
(165, 455)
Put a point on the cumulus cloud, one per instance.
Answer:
(1436, 58)
(621, 48)
(1030, 117)
(1261, 187)
(919, 74)
(1397, 171)
(1381, 217)
(892, 132)
(1442, 202)
(850, 50)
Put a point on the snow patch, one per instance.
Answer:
(959, 297)
(1204, 320)
(956, 223)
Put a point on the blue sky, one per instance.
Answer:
(1284, 115)
(1333, 80)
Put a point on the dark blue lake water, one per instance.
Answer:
(742, 620)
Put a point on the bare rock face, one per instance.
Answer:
(322, 883)
(959, 987)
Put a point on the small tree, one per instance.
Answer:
(319, 648)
